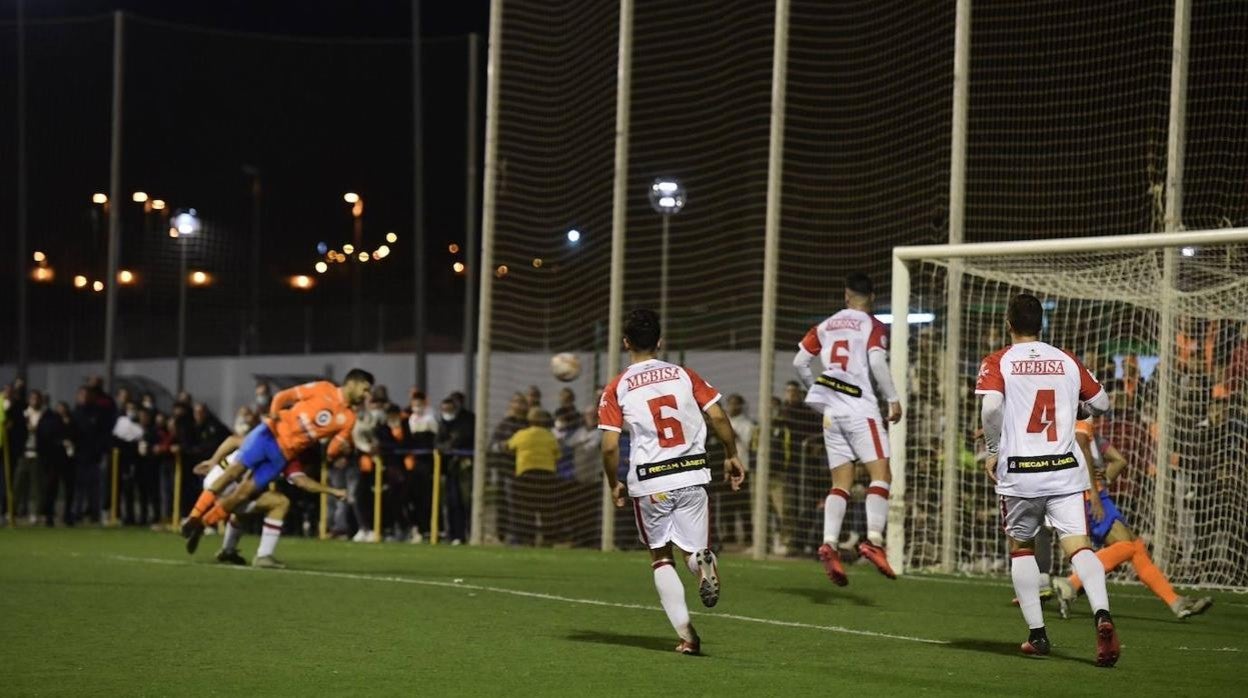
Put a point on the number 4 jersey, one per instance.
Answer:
(1042, 386)
(662, 405)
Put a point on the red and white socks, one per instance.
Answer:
(877, 511)
(1092, 573)
(269, 536)
(834, 515)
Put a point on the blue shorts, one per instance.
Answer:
(262, 456)
(1100, 529)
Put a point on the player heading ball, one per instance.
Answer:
(662, 405)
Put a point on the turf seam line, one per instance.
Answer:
(546, 597)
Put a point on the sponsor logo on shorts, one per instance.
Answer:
(839, 386)
(323, 417)
(1041, 464)
(681, 464)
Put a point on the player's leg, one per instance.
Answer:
(1151, 576)
(1021, 519)
(870, 445)
(691, 533)
(1071, 524)
(275, 506)
(840, 460)
(653, 517)
(228, 554)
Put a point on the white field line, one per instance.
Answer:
(544, 597)
(1115, 587)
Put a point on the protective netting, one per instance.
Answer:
(1106, 307)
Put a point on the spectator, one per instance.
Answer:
(15, 429)
(207, 432)
(28, 478)
(381, 396)
(93, 418)
(422, 427)
(126, 437)
(245, 420)
(734, 508)
(165, 449)
(147, 471)
(534, 397)
(421, 420)
(148, 402)
(392, 438)
(567, 417)
(582, 494)
(263, 398)
(513, 421)
(536, 451)
(54, 446)
(456, 428)
(783, 473)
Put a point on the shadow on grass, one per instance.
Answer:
(645, 642)
(1008, 649)
(826, 596)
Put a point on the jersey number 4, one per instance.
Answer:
(1044, 415)
(668, 428)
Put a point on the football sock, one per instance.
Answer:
(232, 535)
(1111, 556)
(672, 596)
(1148, 573)
(1026, 576)
(833, 514)
(206, 499)
(1092, 572)
(215, 515)
(268, 537)
(877, 511)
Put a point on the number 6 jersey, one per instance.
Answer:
(662, 404)
(1042, 386)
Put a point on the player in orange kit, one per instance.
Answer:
(298, 418)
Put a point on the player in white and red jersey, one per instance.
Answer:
(853, 347)
(1032, 395)
(662, 406)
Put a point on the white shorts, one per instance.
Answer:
(1021, 517)
(850, 438)
(681, 517)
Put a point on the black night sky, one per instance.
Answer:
(316, 96)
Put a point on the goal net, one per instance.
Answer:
(1165, 330)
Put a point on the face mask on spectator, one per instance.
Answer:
(241, 427)
(133, 414)
(449, 416)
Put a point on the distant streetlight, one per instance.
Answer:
(574, 236)
(348, 248)
(97, 286)
(125, 277)
(321, 267)
(357, 292)
(158, 204)
(199, 278)
(99, 198)
(458, 267)
(40, 257)
(42, 275)
(383, 251)
(80, 281)
(363, 257)
(185, 224)
(452, 248)
(392, 238)
(139, 197)
(301, 282)
(667, 197)
(351, 197)
(501, 271)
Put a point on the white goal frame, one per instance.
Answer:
(900, 359)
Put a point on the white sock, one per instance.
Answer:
(1026, 575)
(1092, 573)
(232, 535)
(877, 511)
(672, 596)
(268, 537)
(833, 514)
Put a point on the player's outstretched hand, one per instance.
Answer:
(894, 412)
(990, 466)
(201, 469)
(1094, 503)
(340, 495)
(617, 494)
(734, 473)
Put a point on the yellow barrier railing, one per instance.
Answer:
(322, 526)
(176, 502)
(435, 497)
(114, 488)
(8, 475)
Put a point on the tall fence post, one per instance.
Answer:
(619, 224)
(1176, 146)
(435, 501)
(771, 265)
(114, 204)
(379, 484)
(481, 401)
(322, 522)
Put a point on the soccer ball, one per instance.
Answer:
(566, 366)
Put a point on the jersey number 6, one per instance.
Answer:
(1044, 415)
(840, 354)
(668, 428)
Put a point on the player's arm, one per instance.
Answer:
(340, 444)
(231, 444)
(991, 415)
(734, 472)
(878, 359)
(1115, 463)
(1084, 439)
(611, 465)
(307, 484)
(807, 350)
(283, 399)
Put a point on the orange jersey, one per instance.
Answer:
(303, 415)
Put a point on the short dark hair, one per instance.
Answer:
(1025, 314)
(358, 374)
(860, 283)
(642, 329)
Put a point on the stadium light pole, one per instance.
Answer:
(357, 239)
(185, 224)
(667, 198)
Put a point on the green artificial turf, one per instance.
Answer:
(110, 612)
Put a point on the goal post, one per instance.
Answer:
(1162, 319)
